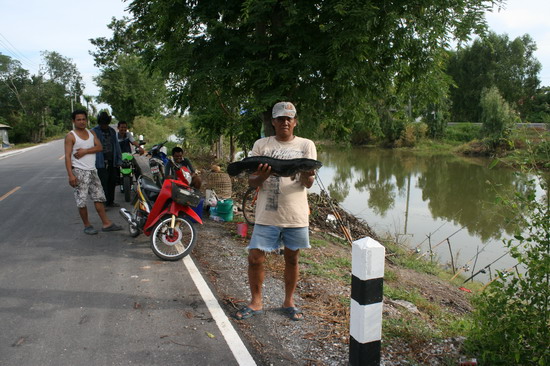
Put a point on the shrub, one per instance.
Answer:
(420, 130)
(511, 317)
(497, 117)
(408, 137)
(463, 132)
(437, 123)
(542, 149)
(392, 125)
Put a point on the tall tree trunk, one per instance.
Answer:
(268, 127)
(231, 148)
(219, 148)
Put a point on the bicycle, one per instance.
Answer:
(249, 204)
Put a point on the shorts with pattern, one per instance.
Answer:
(88, 184)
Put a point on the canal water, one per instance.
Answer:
(441, 201)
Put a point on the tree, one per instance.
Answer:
(336, 60)
(130, 90)
(497, 117)
(37, 106)
(125, 82)
(12, 80)
(62, 71)
(91, 108)
(540, 107)
(493, 61)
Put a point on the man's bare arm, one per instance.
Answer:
(92, 150)
(69, 143)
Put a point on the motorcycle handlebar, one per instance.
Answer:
(156, 147)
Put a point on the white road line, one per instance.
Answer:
(232, 338)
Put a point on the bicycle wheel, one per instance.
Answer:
(173, 244)
(249, 205)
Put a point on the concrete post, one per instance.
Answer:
(367, 267)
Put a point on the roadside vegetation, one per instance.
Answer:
(510, 322)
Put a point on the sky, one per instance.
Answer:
(28, 27)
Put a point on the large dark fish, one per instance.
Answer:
(280, 167)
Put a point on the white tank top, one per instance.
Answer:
(87, 162)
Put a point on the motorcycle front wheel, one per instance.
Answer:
(173, 244)
(127, 186)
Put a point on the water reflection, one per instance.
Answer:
(404, 193)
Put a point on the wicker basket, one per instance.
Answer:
(219, 182)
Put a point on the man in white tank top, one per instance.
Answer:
(81, 146)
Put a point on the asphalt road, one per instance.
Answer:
(67, 298)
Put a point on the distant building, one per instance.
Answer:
(4, 142)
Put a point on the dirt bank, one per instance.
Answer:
(323, 337)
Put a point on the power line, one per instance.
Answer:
(17, 54)
(16, 50)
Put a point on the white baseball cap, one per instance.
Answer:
(283, 109)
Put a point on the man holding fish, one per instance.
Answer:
(282, 211)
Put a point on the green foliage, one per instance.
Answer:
(345, 56)
(38, 106)
(125, 82)
(497, 117)
(542, 150)
(156, 130)
(392, 125)
(131, 90)
(540, 109)
(511, 318)
(493, 61)
(436, 119)
(62, 71)
(463, 132)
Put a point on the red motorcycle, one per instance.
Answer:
(166, 214)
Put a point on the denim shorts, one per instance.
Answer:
(270, 238)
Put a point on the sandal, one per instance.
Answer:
(294, 313)
(113, 227)
(246, 313)
(90, 230)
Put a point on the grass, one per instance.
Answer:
(408, 329)
(404, 257)
(324, 266)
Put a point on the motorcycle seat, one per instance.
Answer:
(149, 185)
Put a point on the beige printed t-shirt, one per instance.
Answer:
(282, 201)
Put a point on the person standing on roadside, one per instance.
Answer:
(108, 159)
(81, 146)
(282, 211)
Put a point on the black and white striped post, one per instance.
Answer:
(367, 267)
